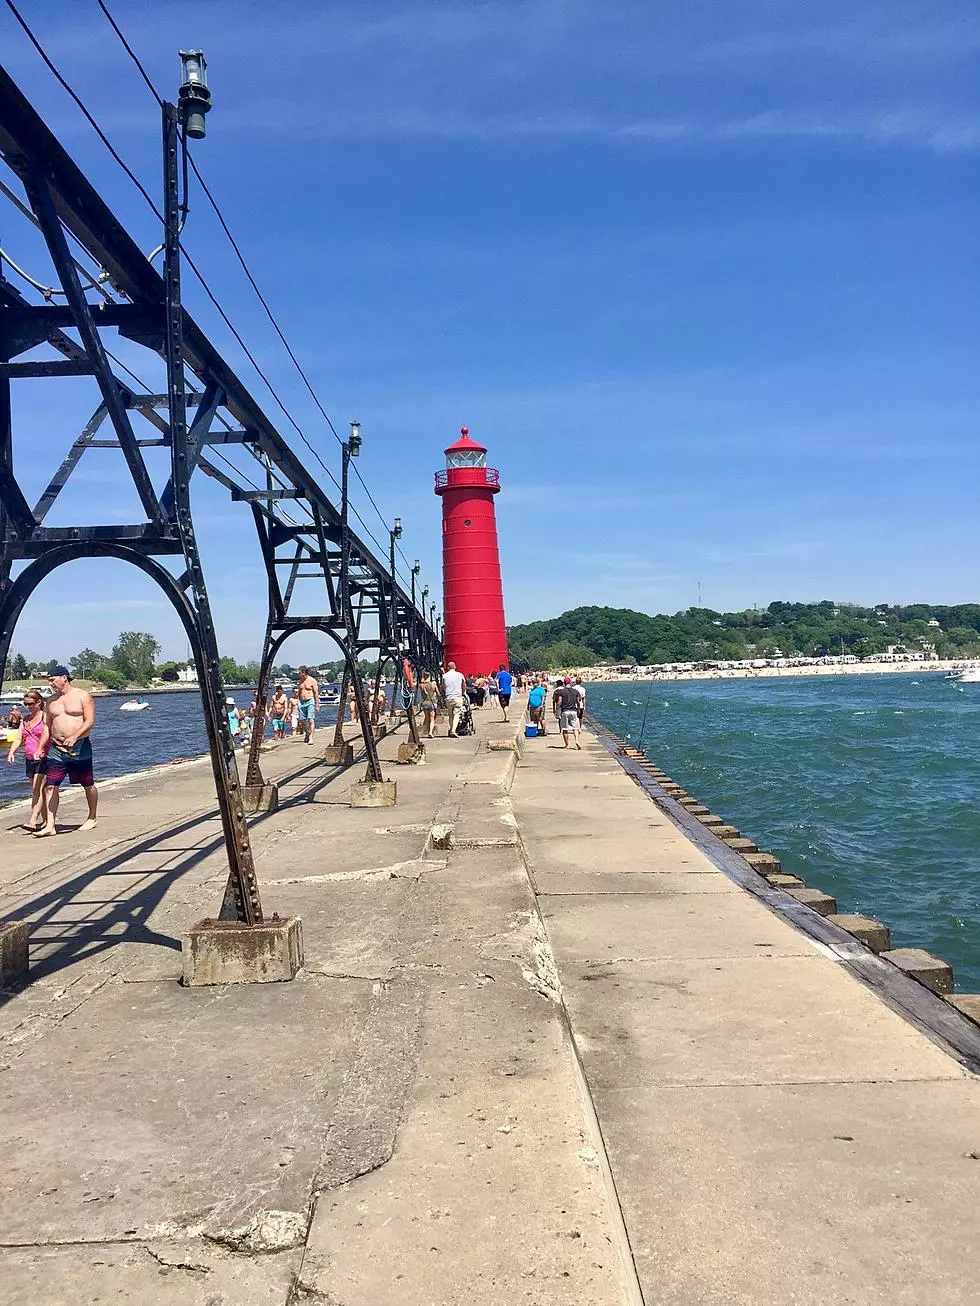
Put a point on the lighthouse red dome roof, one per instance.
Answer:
(464, 444)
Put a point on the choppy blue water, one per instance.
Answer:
(868, 786)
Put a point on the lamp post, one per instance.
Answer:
(416, 568)
(394, 534)
(349, 449)
(180, 124)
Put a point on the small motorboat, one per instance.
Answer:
(134, 705)
(967, 676)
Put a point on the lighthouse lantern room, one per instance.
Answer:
(473, 603)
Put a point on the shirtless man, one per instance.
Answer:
(279, 711)
(308, 697)
(69, 716)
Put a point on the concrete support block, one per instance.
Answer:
(230, 952)
(765, 863)
(689, 803)
(411, 754)
(260, 798)
(741, 845)
(822, 903)
(502, 745)
(698, 809)
(380, 730)
(783, 880)
(374, 793)
(727, 831)
(968, 1003)
(13, 953)
(712, 821)
(339, 754)
(931, 971)
(871, 933)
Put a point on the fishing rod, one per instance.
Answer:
(629, 714)
(626, 734)
(646, 708)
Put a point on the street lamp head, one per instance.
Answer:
(354, 443)
(194, 98)
(397, 532)
(425, 593)
(416, 567)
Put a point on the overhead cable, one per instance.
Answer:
(63, 82)
(252, 282)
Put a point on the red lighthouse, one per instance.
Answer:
(473, 601)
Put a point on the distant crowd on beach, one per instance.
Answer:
(772, 669)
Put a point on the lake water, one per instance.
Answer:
(867, 786)
(122, 742)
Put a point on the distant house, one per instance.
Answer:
(187, 675)
(933, 623)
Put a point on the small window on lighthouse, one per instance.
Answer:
(467, 522)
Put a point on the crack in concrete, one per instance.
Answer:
(300, 1291)
(412, 869)
(374, 1096)
(192, 1266)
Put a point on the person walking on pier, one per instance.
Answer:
(279, 712)
(505, 683)
(580, 690)
(430, 701)
(308, 696)
(565, 706)
(454, 690)
(65, 743)
(29, 731)
(535, 706)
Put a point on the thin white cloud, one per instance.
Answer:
(863, 75)
(936, 131)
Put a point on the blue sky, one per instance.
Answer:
(701, 275)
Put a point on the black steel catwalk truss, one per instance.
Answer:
(303, 536)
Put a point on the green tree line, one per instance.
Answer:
(593, 635)
(132, 661)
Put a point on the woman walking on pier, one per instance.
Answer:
(430, 701)
(29, 735)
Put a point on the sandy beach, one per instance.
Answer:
(940, 667)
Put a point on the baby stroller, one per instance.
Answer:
(465, 724)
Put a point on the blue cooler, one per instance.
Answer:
(530, 732)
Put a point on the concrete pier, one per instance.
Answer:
(542, 1050)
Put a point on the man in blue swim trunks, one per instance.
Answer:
(69, 716)
(308, 698)
(279, 711)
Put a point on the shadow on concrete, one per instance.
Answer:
(73, 922)
(69, 923)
